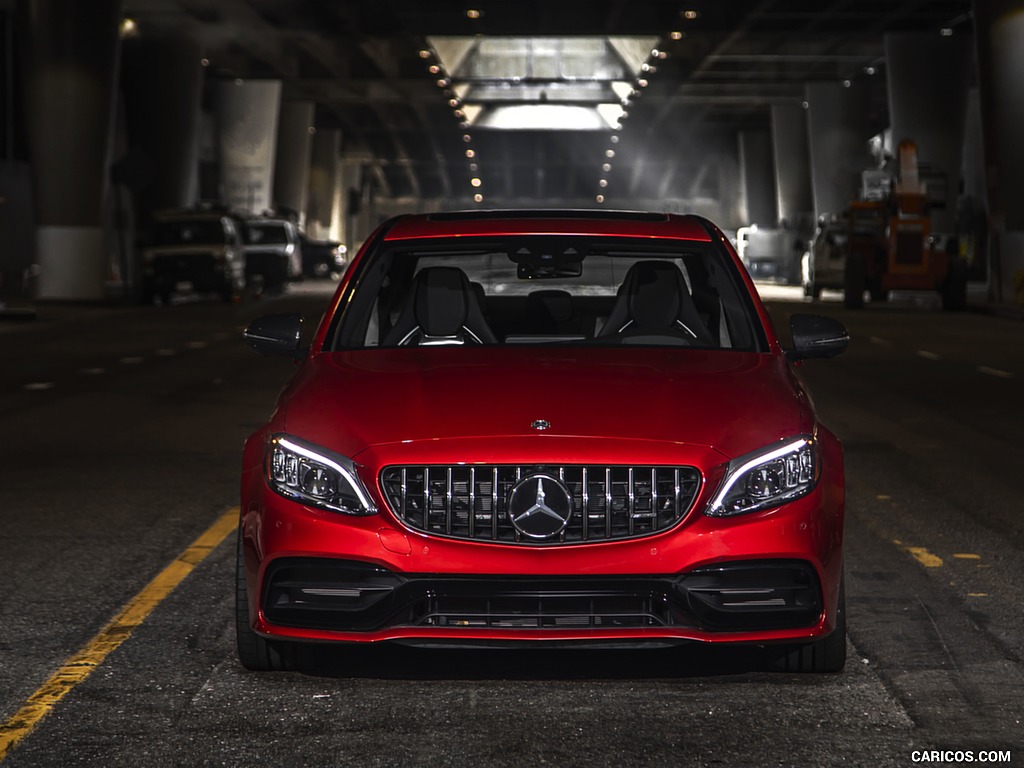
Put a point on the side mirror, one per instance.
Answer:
(275, 335)
(816, 336)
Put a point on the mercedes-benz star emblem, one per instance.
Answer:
(539, 506)
(541, 424)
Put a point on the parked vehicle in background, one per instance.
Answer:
(823, 262)
(891, 243)
(201, 250)
(273, 252)
(771, 255)
(543, 427)
(322, 258)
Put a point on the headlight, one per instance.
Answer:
(767, 478)
(315, 476)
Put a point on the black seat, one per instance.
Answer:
(442, 309)
(654, 300)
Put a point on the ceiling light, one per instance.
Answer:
(467, 138)
(470, 153)
(614, 139)
(609, 153)
(424, 54)
(676, 35)
(434, 69)
(129, 28)
(473, 13)
(478, 197)
(606, 167)
(600, 198)
(691, 15)
(602, 183)
(475, 181)
(946, 32)
(473, 167)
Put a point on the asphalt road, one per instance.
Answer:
(122, 430)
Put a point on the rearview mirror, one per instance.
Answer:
(275, 335)
(816, 336)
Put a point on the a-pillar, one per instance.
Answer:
(74, 51)
(927, 79)
(247, 114)
(838, 133)
(162, 79)
(792, 164)
(294, 148)
(999, 31)
(323, 180)
(757, 178)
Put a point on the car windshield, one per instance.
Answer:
(567, 290)
(192, 232)
(265, 234)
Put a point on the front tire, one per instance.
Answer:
(825, 655)
(256, 653)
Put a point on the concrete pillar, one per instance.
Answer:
(999, 31)
(837, 126)
(247, 114)
(323, 178)
(70, 94)
(162, 78)
(757, 178)
(927, 78)
(294, 148)
(795, 203)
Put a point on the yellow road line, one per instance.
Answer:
(924, 557)
(82, 664)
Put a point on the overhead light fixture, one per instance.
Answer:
(425, 54)
(129, 28)
(676, 35)
(690, 14)
(473, 13)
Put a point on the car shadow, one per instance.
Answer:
(398, 662)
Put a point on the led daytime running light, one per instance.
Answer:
(799, 473)
(283, 473)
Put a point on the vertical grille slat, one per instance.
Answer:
(609, 502)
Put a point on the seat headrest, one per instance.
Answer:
(441, 300)
(655, 290)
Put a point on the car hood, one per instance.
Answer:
(732, 402)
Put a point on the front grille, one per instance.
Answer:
(608, 502)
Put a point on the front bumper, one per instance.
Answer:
(350, 596)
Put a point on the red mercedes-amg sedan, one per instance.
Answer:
(544, 427)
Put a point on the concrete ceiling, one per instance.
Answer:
(713, 68)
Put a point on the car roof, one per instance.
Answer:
(549, 222)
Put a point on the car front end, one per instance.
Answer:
(612, 493)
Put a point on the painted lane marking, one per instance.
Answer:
(39, 386)
(994, 372)
(928, 355)
(924, 557)
(131, 360)
(77, 668)
(966, 556)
